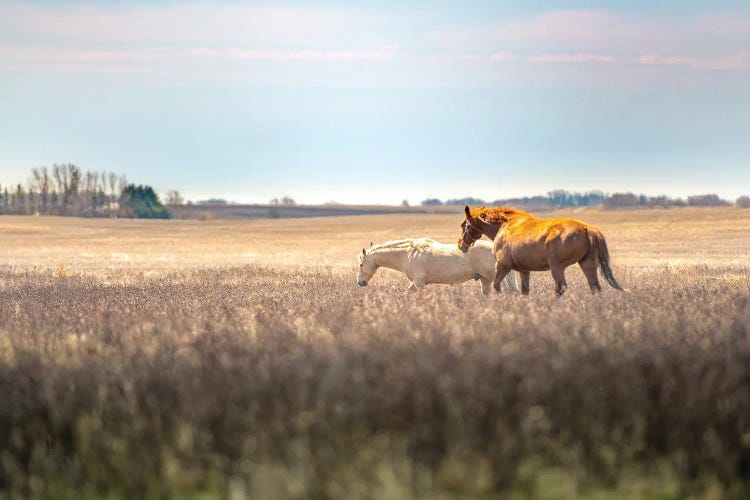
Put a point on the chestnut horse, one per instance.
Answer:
(524, 243)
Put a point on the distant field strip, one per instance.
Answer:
(640, 238)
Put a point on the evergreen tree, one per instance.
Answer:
(141, 202)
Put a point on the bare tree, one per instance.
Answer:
(74, 187)
(32, 200)
(174, 198)
(89, 190)
(112, 180)
(19, 200)
(66, 189)
(122, 184)
(42, 184)
(54, 201)
(61, 181)
(102, 190)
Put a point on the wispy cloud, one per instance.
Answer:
(708, 42)
(97, 36)
(20, 53)
(170, 25)
(502, 56)
(144, 38)
(735, 62)
(574, 58)
(296, 55)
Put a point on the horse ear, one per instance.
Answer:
(371, 244)
(467, 210)
(364, 252)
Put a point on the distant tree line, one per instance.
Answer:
(562, 198)
(630, 200)
(212, 201)
(65, 189)
(557, 198)
(285, 200)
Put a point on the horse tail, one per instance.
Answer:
(598, 243)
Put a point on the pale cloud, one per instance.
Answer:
(709, 42)
(83, 55)
(735, 62)
(297, 55)
(90, 37)
(20, 53)
(172, 25)
(502, 56)
(591, 31)
(573, 29)
(146, 37)
(575, 58)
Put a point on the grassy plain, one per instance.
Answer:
(239, 358)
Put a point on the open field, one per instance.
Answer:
(643, 239)
(232, 211)
(238, 358)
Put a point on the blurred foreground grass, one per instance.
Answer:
(268, 382)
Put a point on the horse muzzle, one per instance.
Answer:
(361, 282)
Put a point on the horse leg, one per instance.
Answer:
(419, 282)
(588, 266)
(486, 285)
(558, 274)
(525, 277)
(501, 271)
(510, 281)
(556, 267)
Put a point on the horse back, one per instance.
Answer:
(544, 230)
(532, 243)
(444, 263)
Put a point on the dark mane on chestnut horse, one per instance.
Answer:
(525, 243)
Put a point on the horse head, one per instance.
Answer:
(366, 268)
(471, 230)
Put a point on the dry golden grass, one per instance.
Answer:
(179, 358)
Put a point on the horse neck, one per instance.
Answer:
(392, 258)
(491, 229)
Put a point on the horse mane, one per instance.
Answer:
(405, 243)
(497, 214)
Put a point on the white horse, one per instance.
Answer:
(426, 261)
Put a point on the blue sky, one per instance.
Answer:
(380, 101)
